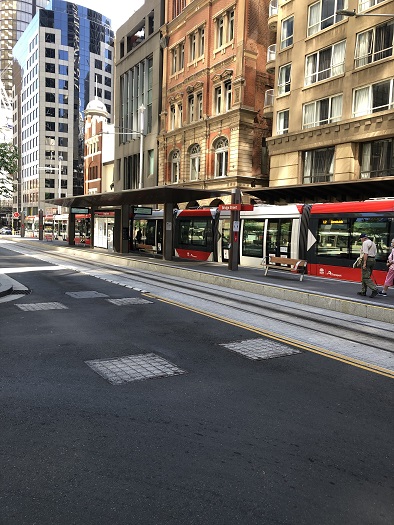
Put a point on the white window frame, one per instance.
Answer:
(282, 122)
(311, 111)
(225, 27)
(313, 66)
(221, 157)
(363, 5)
(195, 159)
(175, 166)
(363, 103)
(286, 41)
(315, 21)
(283, 85)
(366, 42)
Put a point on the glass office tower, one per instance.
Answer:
(62, 61)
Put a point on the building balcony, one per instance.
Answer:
(269, 98)
(271, 58)
(273, 15)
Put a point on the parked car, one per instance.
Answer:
(5, 231)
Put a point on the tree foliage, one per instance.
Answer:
(9, 160)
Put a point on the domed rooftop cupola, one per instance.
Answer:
(97, 108)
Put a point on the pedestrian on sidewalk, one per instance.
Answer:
(390, 274)
(368, 253)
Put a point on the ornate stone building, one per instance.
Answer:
(213, 133)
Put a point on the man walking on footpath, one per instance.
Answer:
(368, 252)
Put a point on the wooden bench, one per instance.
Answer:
(147, 248)
(283, 263)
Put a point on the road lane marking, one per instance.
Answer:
(358, 363)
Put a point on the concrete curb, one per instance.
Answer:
(312, 299)
(307, 298)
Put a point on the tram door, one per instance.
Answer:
(278, 240)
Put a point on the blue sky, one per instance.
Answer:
(117, 10)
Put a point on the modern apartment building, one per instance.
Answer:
(62, 61)
(14, 18)
(332, 103)
(138, 84)
(213, 133)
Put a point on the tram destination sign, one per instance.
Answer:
(79, 210)
(236, 207)
(141, 210)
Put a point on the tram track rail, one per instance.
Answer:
(325, 323)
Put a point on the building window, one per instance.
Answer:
(377, 159)
(326, 63)
(286, 34)
(177, 58)
(374, 44)
(50, 82)
(323, 111)
(322, 14)
(98, 64)
(284, 79)
(224, 28)
(373, 98)
(177, 7)
(172, 116)
(49, 52)
(318, 165)
(175, 166)
(221, 157)
(282, 124)
(191, 108)
(195, 154)
(222, 96)
(151, 162)
(196, 44)
(199, 106)
(366, 4)
(50, 37)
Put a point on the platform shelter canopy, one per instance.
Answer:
(355, 190)
(153, 195)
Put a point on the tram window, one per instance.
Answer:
(377, 229)
(252, 239)
(194, 232)
(150, 232)
(333, 238)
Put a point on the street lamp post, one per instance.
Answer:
(348, 12)
(142, 128)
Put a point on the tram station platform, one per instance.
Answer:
(318, 292)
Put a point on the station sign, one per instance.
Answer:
(140, 210)
(79, 210)
(236, 207)
(16, 215)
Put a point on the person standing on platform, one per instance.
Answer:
(368, 253)
(390, 274)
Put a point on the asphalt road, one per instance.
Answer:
(296, 440)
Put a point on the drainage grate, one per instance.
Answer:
(33, 307)
(129, 300)
(133, 368)
(86, 295)
(262, 348)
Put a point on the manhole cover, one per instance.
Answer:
(41, 306)
(133, 368)
(86, 295)
(262, 348)
(129, 300)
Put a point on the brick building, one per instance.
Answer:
(212, 132)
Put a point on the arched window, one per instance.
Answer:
(175, 166)
(221, 157)
(195, 154)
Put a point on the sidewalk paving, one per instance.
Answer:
(329, 294)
